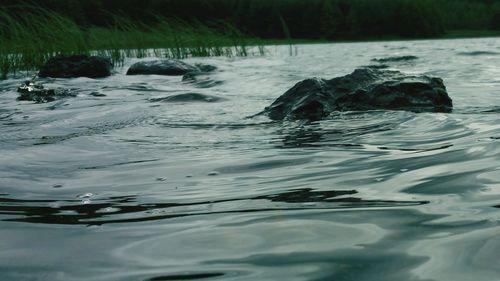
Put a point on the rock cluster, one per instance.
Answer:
(30, 91)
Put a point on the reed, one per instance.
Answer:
(30, 37)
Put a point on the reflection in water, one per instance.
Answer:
(128, 209)
(187, 277)
(316, 135)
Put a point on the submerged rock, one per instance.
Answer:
(188, 97)
(479, 53)
(31, 91)
(396, 59)
(377, 66)
(364, 89)
(200, 79)
(62, 66)
(166, 67)
(205, 67)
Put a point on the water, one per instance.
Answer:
(116, 184)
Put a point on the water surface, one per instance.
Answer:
(127, 182)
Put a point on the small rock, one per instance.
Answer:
(62, 66)
(396, 59)
(161, 67)
(188, 97)
(200, 79)
(205, 67)
(479, 53)
(31, 91)
(97, 94)
(168, 67)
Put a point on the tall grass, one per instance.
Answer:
(30, 37)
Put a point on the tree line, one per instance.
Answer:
(300, 19)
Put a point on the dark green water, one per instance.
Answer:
(122, 185)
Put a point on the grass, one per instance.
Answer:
(30, 35)
(29, 38)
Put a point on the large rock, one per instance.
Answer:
(162, 67)
(364, 89)
(62, 66)
(31, 91)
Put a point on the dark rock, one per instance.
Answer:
(76, 66)
(377, 66)
(97, 94)
(31, 91)
(194, 76)
(364, 89)
(200, 79)
(188, 97)
(161, 67)
(396, 59)
(205, 67)
(479, 53)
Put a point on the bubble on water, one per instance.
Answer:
(85, 195)
(404, 170)
(108, 210)
(309, 204)
(154, 211)
(54, 205)
(67, 213)
(379, 179)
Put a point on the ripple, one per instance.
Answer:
(196, 276)
(126, 187)
(88, 209)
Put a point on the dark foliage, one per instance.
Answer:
(307, 19)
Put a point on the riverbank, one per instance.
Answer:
(30, 38)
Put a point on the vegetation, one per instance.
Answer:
(29, 38)
(181, 28)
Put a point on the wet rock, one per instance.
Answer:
(205, 67)
(377, 66)
(364, 89)
(479, 53)
(396, 59)
(200, 79)
(97, 94)
(166, 67)
(31, 91)
(188, 97)
(62, 66)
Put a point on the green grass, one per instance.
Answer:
(29, 38)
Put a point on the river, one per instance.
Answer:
(116, 184)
